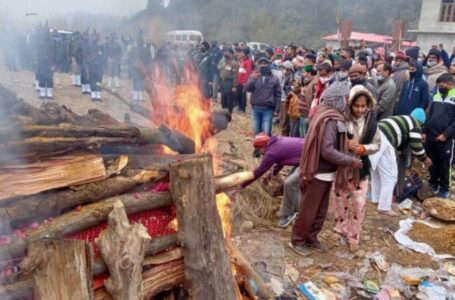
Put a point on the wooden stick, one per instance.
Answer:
(207, 267)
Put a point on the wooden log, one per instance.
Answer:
(29, 179)
(69, 130)
(92, 214)
(24, 288)
(155, 280)
(207, 267)
(231, 181)
(38, 147)
(54, 203)
(61, 269)
(155, 246)
(263, 291)
(18, 290)
(123, 246)
(88, 216)
(164, 257)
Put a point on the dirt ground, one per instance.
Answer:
(254, 204)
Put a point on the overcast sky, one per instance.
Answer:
(49, 8)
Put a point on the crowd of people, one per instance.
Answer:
(349, 118)
(346, 117)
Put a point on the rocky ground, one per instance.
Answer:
(255, 208)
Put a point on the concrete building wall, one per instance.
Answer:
(431, 31)
(426, 40)
(429, 17)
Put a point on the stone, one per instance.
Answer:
(439, 208)
(246, 226)
(366, 238)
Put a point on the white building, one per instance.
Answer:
(436, 25)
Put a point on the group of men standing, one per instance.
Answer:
(224, 70)
(88, 59)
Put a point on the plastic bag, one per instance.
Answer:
(429, 291)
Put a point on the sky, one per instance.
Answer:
(48, 8)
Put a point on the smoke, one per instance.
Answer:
(45, 9)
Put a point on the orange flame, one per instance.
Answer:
(182, 107)
(223, 203)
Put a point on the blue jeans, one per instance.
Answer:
(303, 126)
(262, 118)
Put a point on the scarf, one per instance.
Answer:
(369, 132)
(309, 162)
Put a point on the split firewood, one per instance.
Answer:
(123, 246)
(155, 246)
(61, 269)
(24, 287)
(155, 280)
(53, 203)
(207, 267)
(29, 179)
(164, 257)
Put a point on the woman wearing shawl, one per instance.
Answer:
(325, 159)
(364, 140)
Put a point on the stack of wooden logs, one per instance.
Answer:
(61, 173)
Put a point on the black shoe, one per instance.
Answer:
(50, 98)
(317, 246)
(300, 249)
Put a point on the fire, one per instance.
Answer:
(166, 150)
(223, 204)
(182, 108)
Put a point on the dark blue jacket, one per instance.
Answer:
(265, 92)
(415, 94)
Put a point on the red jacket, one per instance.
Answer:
(245, 68)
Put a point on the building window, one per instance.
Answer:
(447, 11)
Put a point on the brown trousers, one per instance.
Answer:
(314, 205)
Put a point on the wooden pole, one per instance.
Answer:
(207, 266)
